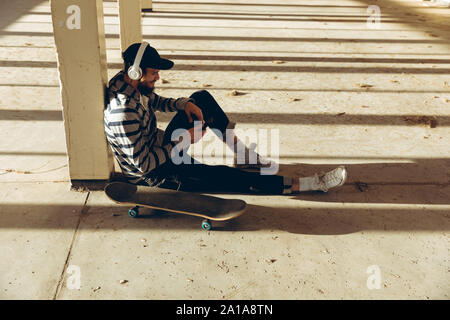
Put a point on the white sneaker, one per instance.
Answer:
(331, 179)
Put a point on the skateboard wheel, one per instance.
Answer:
(206, 225)
(134, 213)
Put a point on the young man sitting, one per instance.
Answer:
(145, 153)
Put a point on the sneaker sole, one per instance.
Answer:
(344, 176)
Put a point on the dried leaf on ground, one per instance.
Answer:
(422, 120)
(237, 93)
(364, 85)
(361, 186)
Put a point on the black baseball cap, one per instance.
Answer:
(150, 58)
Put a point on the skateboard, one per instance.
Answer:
(193, 204)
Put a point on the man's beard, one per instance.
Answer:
(144, 89)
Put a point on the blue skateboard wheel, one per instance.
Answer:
(134, 213)
(206, 225)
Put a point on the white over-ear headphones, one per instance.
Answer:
(135, 72)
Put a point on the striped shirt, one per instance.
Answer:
(131, 130)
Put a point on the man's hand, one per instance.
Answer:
(193, 112)
(196, 133)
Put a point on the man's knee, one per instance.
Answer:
(205, 101)
(201, 94)
(212, 112)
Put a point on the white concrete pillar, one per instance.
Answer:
(80, 45)
(147, 5)
(130, 22)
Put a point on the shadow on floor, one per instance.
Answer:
(11, 11)
(419, 17)
(305, 220)
(275, 118)
(424, 181)
(394, 205)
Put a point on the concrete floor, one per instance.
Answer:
(358, 92)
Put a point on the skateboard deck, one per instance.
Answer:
(194, 204)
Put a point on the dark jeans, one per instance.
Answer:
(201, 177)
